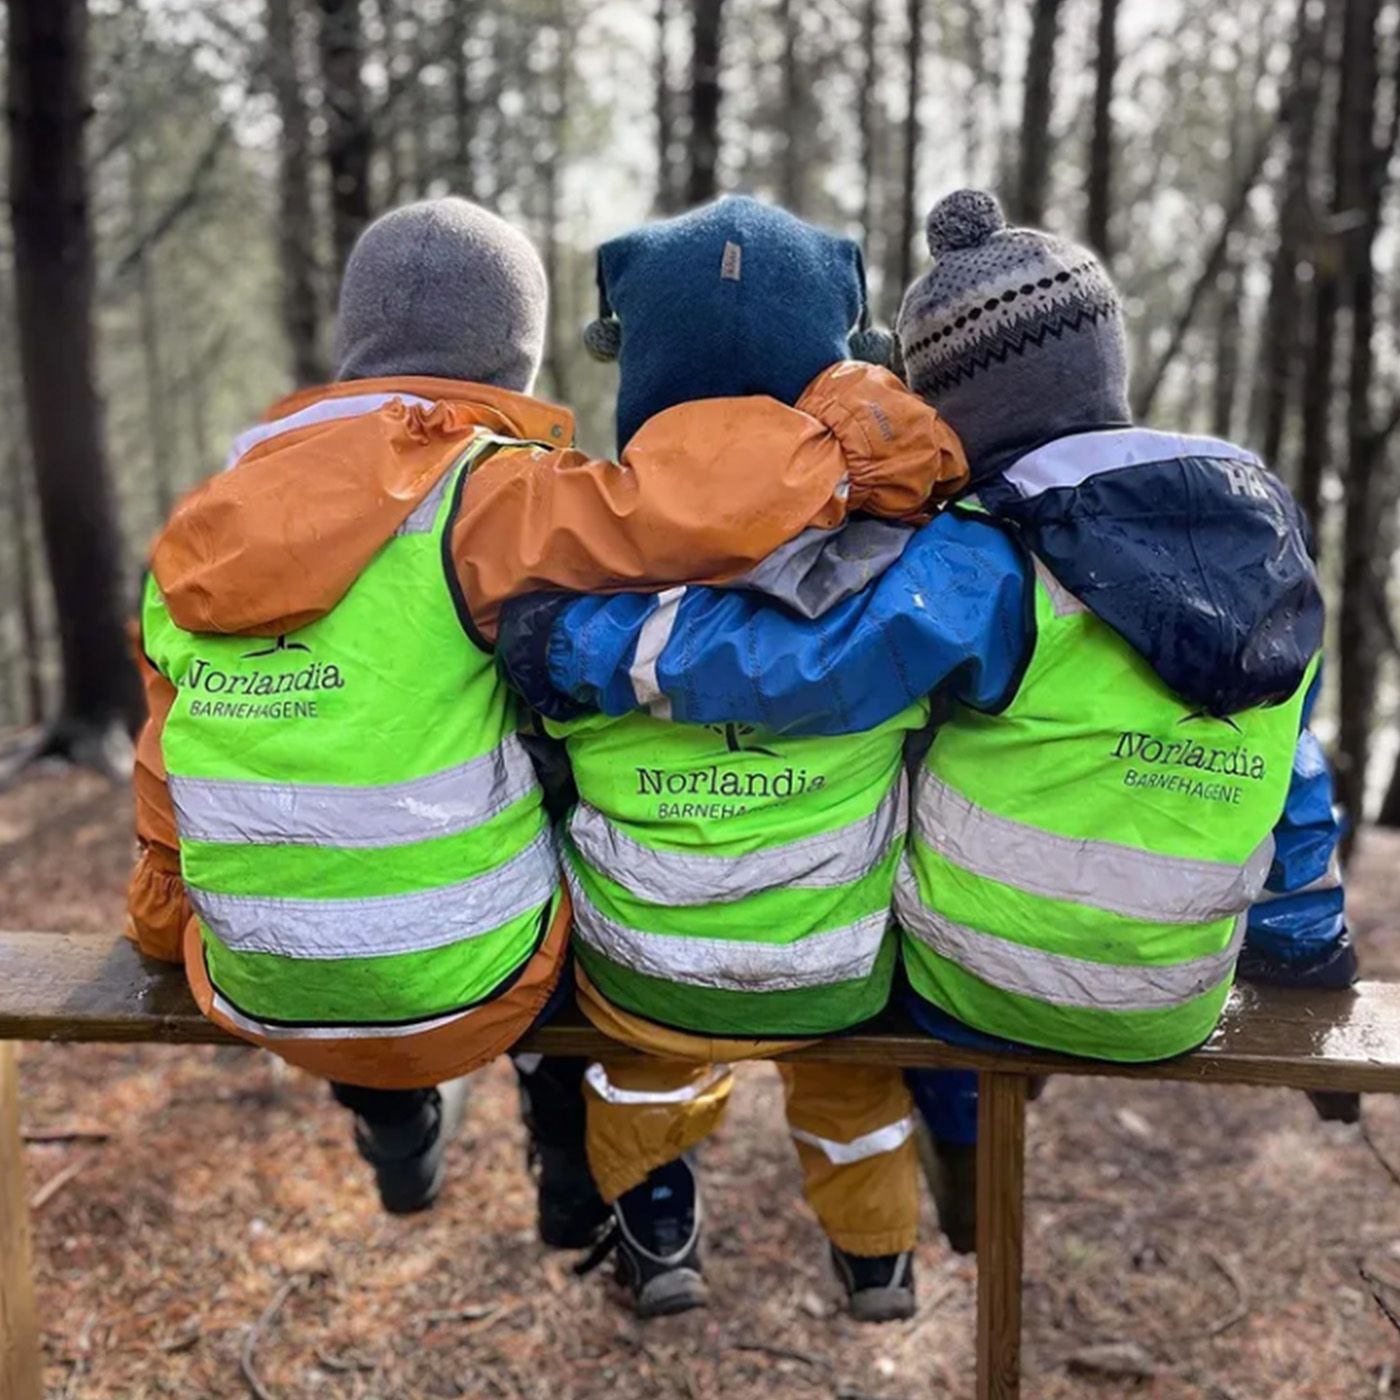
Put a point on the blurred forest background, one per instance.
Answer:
(185, 178)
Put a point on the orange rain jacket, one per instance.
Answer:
(702, 493)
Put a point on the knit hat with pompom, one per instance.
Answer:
(1014, 335)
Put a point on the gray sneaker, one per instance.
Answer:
(410, 1158)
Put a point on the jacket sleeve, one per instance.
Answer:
(157, 908)
(703, 492)
(951, 614)
(1297, 933)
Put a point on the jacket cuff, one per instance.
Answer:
(900, 455)
(1335, 969)
(157, 910)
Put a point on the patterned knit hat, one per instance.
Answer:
(1014, 335)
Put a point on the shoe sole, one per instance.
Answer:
(882, 1304)
(675, 1292)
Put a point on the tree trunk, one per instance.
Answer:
(460, 17)
(1280, 339)
(1100, 184)
(296, 218)
(47, 106)
(792, 182)
(1229, 327)
(387, 12)
(555, 359)
(1033, 174)
(869, 76)
(703, 184)
(157, 392)
(909, 201)
(349, 142)
(30, 665)
(1389, 814)
(1360, 182)
(665, 124)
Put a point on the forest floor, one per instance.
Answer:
(216, 1197)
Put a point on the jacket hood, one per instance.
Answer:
(315, 490)
(1192, 551)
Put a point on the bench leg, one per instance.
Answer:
(1001, 1171)
(19, 1324)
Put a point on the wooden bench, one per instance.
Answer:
(91, 988)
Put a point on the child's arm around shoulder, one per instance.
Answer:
(702, 493)
(951, 615)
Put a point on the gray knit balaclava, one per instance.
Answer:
(442, 288)
(1015, 336)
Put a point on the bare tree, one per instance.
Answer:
(1361, 178)
(296, 218)
(869, 76)
(1033, 172)
(556, 103)
(54, 277)
(1100, 182)
(1280, 340)
(914, 57)
(461, 17)
(793, 118)
(349, 142)
(708, 19)
(666, 193)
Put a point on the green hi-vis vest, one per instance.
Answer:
(734, 882)
(361, 833)
(1081, 864)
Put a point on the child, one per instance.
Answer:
(1121, 636)
(728, 883)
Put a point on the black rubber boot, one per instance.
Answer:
(570, 1212)
(951, 1172)
(657, 1240)
(403, 1135)
(879, 1288)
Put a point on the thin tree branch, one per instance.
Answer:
(178, 207)
(1146, 394)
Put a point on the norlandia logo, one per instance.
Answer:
(1234, 762)
(205, 676)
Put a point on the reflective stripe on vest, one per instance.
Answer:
(736, 965)
(671, 877)
(383, 925)
(1056, 978)
(1101, 874)
(391, 814)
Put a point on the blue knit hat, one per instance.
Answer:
(734, 298)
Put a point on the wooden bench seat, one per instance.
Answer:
(77, 987)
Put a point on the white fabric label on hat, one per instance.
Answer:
(732, 266)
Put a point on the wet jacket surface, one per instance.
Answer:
(1205, 572)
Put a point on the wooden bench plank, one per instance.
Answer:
(97, 987)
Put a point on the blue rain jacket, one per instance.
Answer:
(1191, 551)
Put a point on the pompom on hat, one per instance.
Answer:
(963, 220)
(1014, 335)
